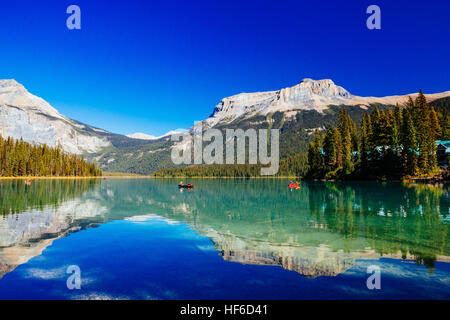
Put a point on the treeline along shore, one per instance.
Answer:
(22, 159)
(389, 144)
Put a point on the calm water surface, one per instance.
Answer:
(227, 239)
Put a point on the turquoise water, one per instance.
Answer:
(226, 239)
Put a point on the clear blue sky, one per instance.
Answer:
(151, 66)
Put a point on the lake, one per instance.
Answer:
(226, 239)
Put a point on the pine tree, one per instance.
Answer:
(365, 142)
(408, 141)
(398, 116)
(435, 124)
(376, 128)
(338, 139)
(330, 149)
(314, 154)
(444, 124)
(345, 128)
(424, 133)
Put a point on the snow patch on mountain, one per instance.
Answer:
(144, 136)
(141, 136)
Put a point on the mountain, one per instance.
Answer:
(297, 111)
(309, 95)
(141, 136)
(24, 115)
(144, 136)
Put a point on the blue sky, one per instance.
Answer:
(152, 66)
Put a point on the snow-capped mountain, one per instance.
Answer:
(144, 136)
(141, 136)
(309, 94)
(23, 115)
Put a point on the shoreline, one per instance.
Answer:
(49, 178)
(140, 177)
(227, 177)
(410, 179)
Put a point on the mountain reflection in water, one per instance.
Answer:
(321, 229)
(36, 215)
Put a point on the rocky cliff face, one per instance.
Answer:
(23, 115)
(310, 94)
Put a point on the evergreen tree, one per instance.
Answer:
(338, 140)
(435, 124)
(314, 153)
(408, 140)
(444, 125)
(422, 121)
(365, 133)
(329, 148)
(347, 143)
(375, 117)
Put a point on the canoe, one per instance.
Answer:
(185, 186)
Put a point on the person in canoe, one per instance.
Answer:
(295, 185)
(186, 186)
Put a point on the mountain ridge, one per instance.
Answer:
(309, 94)
(24, 115)
(296, 111)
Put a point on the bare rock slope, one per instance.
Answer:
(24, 115)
